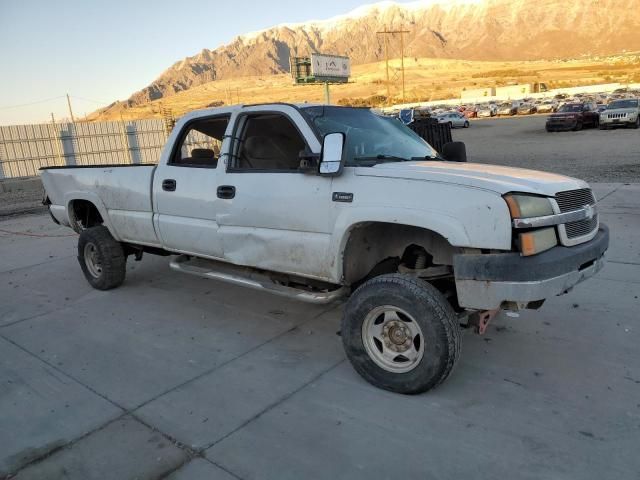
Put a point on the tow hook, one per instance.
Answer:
(480, 320)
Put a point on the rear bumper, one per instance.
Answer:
(487, 281)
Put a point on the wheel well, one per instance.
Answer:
(376, 248)
(84, 214)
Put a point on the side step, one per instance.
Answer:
(247, 277)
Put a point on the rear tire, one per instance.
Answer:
(466, 124)
(101, 258)
(578, 127)
(401, 334)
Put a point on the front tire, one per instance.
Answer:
(101, 258)
(637, 123)
(401, 334)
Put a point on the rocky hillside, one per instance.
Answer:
(461, 29)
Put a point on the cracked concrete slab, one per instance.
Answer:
(136, 343)
(249, 385)
(124, 449)
(41, 409)
(200, 469)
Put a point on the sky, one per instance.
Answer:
(101, 51)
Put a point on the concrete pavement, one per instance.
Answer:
(172, 376)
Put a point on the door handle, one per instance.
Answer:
(169, 185)
(226, 191)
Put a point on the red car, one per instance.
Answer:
(471, 112)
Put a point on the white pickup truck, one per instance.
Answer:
(324, 203)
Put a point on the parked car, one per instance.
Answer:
(291, 205)
(547, 106)
(471, 111)
(621, 113)
(573, 116)
(601, 107)
(507, 108)
(526, 109)
(490, 110)
(454, 119)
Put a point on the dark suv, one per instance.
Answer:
(574, 116)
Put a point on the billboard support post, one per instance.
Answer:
(327, 95)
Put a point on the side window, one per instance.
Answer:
(268, 141)
(199, 145)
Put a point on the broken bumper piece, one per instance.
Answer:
(509, 280)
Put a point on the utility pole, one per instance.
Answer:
(55, 138)
(73, 120)
(402, 60)
(386, 34)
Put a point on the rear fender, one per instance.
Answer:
(70, 197)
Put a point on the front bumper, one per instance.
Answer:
(613, 122)
(561, 125)
(487, 281)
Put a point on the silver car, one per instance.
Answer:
(455, 119)
(623, 112)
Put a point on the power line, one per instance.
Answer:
(98, 102)
(6, 107)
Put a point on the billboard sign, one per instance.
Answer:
(332, 66)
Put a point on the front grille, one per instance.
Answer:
(581, 227)
(574, 200)
(616, 115)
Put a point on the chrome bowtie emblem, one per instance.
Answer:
(589, 211)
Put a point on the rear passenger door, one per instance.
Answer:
(184, 189)
(272, 214)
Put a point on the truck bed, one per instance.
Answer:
(122, 194)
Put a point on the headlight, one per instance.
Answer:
(537, 241)
(526, 206)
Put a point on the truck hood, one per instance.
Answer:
(476, 175)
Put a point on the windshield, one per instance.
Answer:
(572, 107)
(368, 136)
(623, 104)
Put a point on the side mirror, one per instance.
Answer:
(454, 152)
(331, 158)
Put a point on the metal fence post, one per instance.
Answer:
(2, 175)
(55, 139)
(125, 140)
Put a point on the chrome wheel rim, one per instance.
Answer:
(393, 339)
(92, 260)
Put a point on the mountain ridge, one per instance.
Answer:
(448, 29)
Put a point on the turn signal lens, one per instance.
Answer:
(537, 241)
(514, 208)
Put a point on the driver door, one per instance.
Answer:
(273, 215)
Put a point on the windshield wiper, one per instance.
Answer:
(383, 158)
(437, 157)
